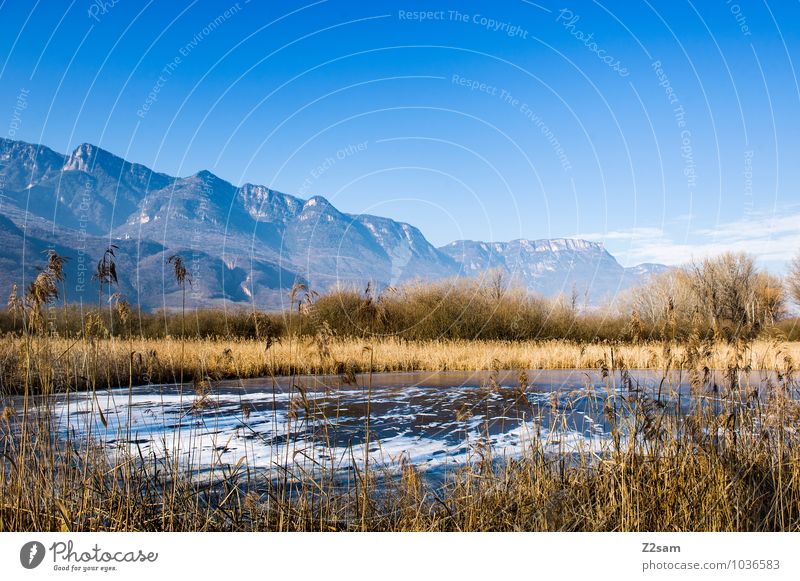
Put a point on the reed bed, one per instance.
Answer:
(730, 466)
(71, 363)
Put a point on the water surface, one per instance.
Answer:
(435, 421)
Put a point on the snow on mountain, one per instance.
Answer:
(550, 266)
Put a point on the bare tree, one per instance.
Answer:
(726, 293)
(737, 298)
(793, 279)
(770, 299)
(662, 299)
(496, 282)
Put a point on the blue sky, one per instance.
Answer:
(667, 130)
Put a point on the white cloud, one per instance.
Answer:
(773, 238)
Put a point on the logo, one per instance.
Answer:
(31, 554)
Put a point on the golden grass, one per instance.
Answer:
(735, 468)
(63, 362)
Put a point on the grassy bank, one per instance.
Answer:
(69, 364)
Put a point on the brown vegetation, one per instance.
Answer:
(734, 466)
(726, 297)
(69, 363)
(731, 466)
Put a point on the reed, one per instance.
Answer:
(733, 466)
(66, 363)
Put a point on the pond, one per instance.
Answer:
(435, 421)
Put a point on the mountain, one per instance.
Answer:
(89, 189)
(245, 244)
(551, 266)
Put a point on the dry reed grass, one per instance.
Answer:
(736, 467)
(733, 468)
(69, 362)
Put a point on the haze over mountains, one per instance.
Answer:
(245, 244)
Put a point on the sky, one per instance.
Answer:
(668, 130)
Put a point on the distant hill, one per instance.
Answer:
(245, 244)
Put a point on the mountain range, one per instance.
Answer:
(246, 244)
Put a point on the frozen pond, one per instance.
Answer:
(434, 421)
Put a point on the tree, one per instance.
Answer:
(727, 294)
(793, 279)
(738, 299)
(664, 302)
(770, 299)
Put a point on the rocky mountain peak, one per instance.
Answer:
(263, 236)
